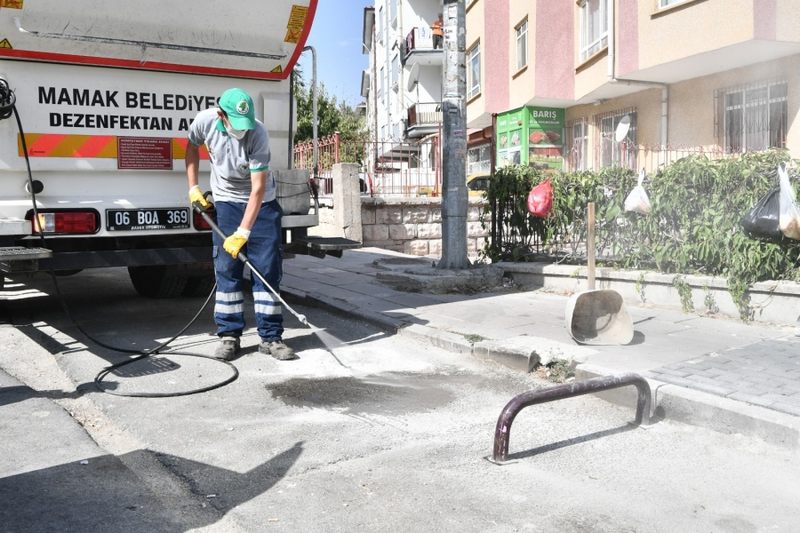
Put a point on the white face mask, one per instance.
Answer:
(233, 132)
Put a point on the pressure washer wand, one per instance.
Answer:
(243, 258)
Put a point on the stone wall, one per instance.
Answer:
(414, 225)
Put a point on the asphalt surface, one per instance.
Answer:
(393, 434)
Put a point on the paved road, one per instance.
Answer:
(396, 440)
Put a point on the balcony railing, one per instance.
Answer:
(424, 118)
(418, 40)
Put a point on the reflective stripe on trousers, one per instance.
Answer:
(263, 249)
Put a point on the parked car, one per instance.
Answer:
(478, 184)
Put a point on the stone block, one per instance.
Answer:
(416, 247)
(435, 247)
(474, 229)
(376, 232)
(415, 215)
(435, 214)
(367, 215)
(402, 231)
(429, 231)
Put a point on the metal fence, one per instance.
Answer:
(386, 168)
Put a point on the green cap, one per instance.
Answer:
(238, 105)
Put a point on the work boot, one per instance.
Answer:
(227, 349)
(277, 349)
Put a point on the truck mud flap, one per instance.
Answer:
(21, 259)
(322, 246)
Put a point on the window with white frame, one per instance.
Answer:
(594, 27)
(522, 44)
(474, 70)
(752, 117)
(578, 145)
(379, 83)
(612, 152)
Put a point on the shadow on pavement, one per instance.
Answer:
(570, 442)
(104, 495)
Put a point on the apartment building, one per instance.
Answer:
(596, 83)
(402, 88)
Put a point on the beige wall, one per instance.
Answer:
(521, 85)
(691, 107)
(475, 24)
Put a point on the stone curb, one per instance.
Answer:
(706, 410)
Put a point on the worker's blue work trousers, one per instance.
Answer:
(263, 249)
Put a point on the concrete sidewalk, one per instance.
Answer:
(714, 372)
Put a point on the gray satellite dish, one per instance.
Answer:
(413, 77)
(622, 128)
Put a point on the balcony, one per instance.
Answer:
(424, 119)
(417, 49)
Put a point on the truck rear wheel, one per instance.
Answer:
(160, 281)
(199, 285)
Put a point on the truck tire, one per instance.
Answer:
(160, 281)
(199, 285)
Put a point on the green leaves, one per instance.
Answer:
(694, 225)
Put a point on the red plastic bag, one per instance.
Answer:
(540, 199)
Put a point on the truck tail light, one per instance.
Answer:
(199, 222)
(65, 222)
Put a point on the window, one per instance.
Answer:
(613, 153)
(479, 159)
(379, 25)
(474, 70)
(667, 3)
(394, 73)
(379, 83)
(594, 27)
(753, 117)
(522, 44)
(579, 145)
(393, 13)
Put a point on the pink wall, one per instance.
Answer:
(555, 50)
(627, 49)
(764, 19)
(495, 55)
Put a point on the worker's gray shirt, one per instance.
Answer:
(233, 160)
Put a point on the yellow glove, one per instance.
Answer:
(234, 242)
(196, 197)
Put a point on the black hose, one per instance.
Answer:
(7, 108)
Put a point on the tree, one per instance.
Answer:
(333, 116)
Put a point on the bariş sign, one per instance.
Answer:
(144, 153)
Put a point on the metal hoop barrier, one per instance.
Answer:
(502, 432)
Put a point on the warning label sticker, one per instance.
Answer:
(297, 20)
(5, 43)
(144, 153)
(13, 4)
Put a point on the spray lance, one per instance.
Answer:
(243, 258)
(327, 339)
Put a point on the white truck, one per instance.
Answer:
(105, 91)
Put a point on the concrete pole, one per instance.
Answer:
(454, 143)
(314, 114)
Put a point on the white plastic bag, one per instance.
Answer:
(789, 221)
(637, 201)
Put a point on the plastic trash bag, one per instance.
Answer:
(637, 200)
(540, 199)
(761, 221)
(789, 221)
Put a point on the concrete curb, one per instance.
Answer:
(706, 410)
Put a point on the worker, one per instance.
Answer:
(438, 31)
(247, 212)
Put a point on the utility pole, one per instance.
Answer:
(454, 143)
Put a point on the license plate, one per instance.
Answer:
(147, 219)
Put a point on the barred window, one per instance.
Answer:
(611, 152)
(578, 145)
(752, 117)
